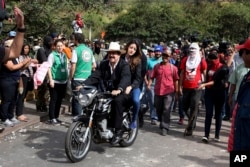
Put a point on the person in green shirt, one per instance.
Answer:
(81, 68)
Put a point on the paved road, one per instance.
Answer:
(42, 145)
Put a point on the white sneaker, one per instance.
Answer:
(7, 122)
(14, 120)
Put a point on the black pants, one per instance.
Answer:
(21, 97)
(8, 89)
(190, 103)
(56, 95)
(118, 106)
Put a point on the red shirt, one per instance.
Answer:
(191, 80)
(165, 76)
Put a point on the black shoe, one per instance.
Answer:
(141, 121)
(117, 137)
(226, 118)
(41, 109)
(189, 133)
(58, 120)
(1, 130)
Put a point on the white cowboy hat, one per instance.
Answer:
(114, 46)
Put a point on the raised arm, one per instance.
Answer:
(15, 49)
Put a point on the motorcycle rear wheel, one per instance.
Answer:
(76, 149)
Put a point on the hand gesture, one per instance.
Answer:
(19, 18)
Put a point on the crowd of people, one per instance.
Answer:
(186, 74)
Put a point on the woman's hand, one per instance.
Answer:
(201, 86)
(128, 89)
(115, 92)
(51, 83)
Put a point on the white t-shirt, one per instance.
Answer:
(76, 28)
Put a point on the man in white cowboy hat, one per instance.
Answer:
(115, 76)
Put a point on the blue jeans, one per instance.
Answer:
(76, 107)
(214, 99)
(150, 94)
(136, 103)
(181, 112)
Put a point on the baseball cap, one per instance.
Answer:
(158, 48)
(245, 45)
(12, 33)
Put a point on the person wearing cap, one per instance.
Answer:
(116, 77)
(10, 39)
(80, 69)
(165, 89)
(77, 24)
(239, 135)
(192, 68)
(235, 79)
(215, 86)
(150, 92)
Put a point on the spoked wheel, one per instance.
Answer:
(129, 135)
(76, 146)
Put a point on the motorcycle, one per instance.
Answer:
(92, 125)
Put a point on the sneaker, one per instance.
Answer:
(58, 120)
(217, 139)
(181, 121)
(153, 122)
(133, 125)
(204, 139)
(14, 120)
(164, 132)
(53, 122)
(8, 123)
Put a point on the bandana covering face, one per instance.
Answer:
(193, 61)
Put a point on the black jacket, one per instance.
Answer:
(136, 75)
(120, 79)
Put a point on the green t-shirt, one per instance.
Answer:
(237, 76)
(84, 62)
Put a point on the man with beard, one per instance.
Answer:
(192, 67)
(150, 92)
(98, 54)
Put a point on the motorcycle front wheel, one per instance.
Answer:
(129, 135)
(75, 146)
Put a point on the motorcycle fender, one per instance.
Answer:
(81, 118)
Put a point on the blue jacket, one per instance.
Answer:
(241, 137)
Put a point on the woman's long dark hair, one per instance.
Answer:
(22, 51)
(136, 58)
